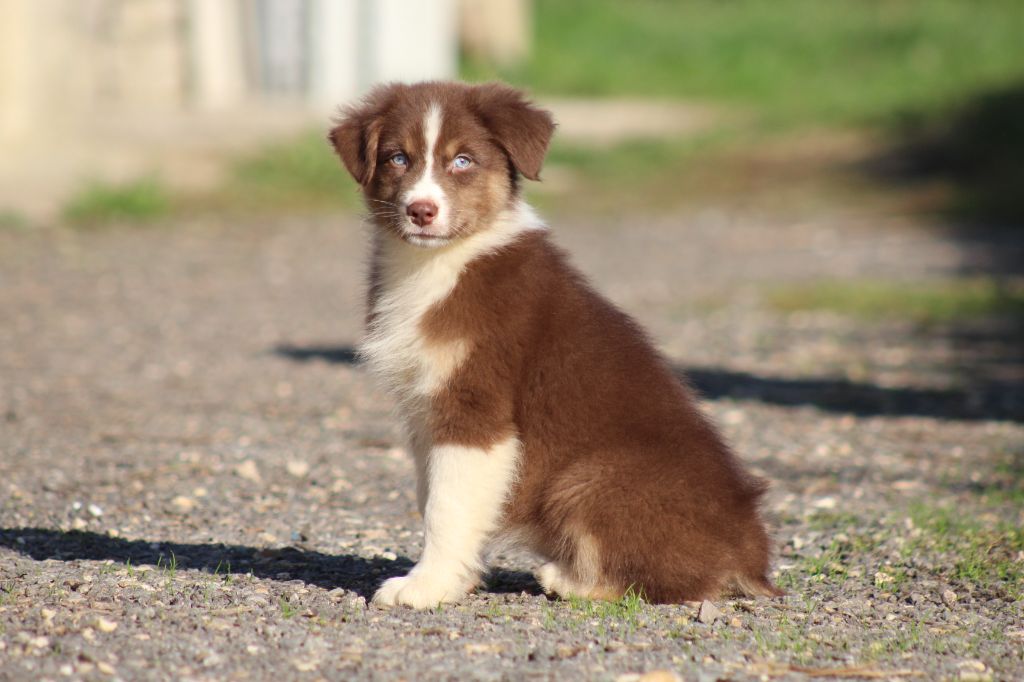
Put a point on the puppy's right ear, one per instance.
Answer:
(357, 132)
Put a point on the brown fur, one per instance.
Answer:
(623, 482)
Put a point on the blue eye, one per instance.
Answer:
(399, 160)
(462, 162)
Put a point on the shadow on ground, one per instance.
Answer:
(994, 400)
(349, 572)
(975, 149)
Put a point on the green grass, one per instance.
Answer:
(136, 201)
(923, 302)
(299, 174)
(984, 551)
(12, 220)
(288, 611)
(794, 61)
(302, 173)
(625, 610)
(575, 613)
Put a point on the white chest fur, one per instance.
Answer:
(412, 280)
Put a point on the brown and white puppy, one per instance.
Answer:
(535, 408)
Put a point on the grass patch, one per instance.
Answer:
(970, 549)
(842, 61)
(137, 201)
(288, 611)
(576, 613)
(302, 173)
(923, 302)
(625, 610)
(12, 220)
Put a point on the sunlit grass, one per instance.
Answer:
(302, 173)
(922, 302)
(793, 61)
(135, 202)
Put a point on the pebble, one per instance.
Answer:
(104, 625)
(305, 665)
(39, 642)
(297, 468)
(949, 597)
(484, 648)
(183, 504)
(249, 471)
(708, 613)
(95, 510)
(652, 676)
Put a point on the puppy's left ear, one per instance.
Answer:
(358, 129)
(519, 127)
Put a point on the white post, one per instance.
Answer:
(334, 59)
(218, 55)
(411, 41)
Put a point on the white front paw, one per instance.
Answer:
(419, 591)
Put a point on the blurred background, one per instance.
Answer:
(867, 155)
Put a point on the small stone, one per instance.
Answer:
(39, 642)
(949, 597)
(183, 504)
(390, 556)
(736, 622)
(252, 649)
(483, 648)
(659, 676)
(66, 670)
(95, 510)
(305, 666)
(104, 625)
(297, 468)
(708, 613)
(79, 524)
(47, 614)
(974, 671)
(105, 668)
(249, 471)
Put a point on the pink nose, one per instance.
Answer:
(422, 212)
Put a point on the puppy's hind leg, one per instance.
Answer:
(582, 579)
(465, 495)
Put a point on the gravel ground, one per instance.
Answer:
(197, 482)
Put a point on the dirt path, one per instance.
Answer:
(197, 482)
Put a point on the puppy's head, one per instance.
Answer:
(439, 161)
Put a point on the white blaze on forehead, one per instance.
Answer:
(426, 187)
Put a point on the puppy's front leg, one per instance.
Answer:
(466, 489)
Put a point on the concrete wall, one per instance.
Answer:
(62, 61)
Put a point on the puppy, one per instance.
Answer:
(534, 407)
